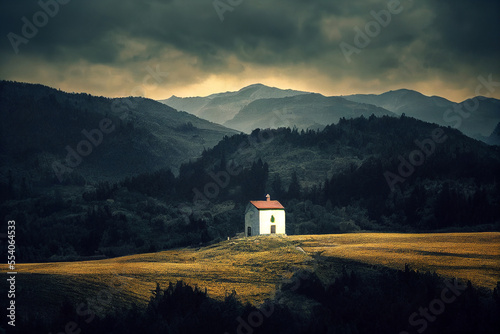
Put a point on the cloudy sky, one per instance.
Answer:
(159, 48)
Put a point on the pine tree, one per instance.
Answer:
(277, 186)
(294, 191)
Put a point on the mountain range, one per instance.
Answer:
(476, 117)
(91, 176)
(269, 107)
(306, 111)
(46, 133)
(222, 107)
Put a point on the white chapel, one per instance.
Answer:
(264, 217)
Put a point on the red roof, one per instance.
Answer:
(263, 205)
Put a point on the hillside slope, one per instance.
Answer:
(494, 138)
(255, 267)
(41, 126)
(344, 147)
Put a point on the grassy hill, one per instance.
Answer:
(469, 256)
(253, 267)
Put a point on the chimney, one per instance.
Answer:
(268, 197)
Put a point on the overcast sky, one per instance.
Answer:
(159, 48)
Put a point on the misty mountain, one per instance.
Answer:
(222, 107)
(306, 111)
(475, 117)
(47, 133)
(494, 138)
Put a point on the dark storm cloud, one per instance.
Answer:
(468, 32)
(448, 39)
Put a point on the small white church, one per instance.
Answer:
(264, 217)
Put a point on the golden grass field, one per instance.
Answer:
(469, 256)
(253, 267)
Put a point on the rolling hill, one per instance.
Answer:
(255, 267)
(43, 129)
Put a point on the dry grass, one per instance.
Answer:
(253, 266)
(470, 256)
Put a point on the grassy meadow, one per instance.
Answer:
(469, 256)
(253, 267)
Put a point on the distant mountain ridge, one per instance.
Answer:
(234, 109)
(307, 111)
(494, 138)
(222, 107)
(477, 123)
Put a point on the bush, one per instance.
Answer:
(348, 226)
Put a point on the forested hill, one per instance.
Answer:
(346, 146)
(475, 117)
(390, 172)
(52, 136)
(378, 174)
